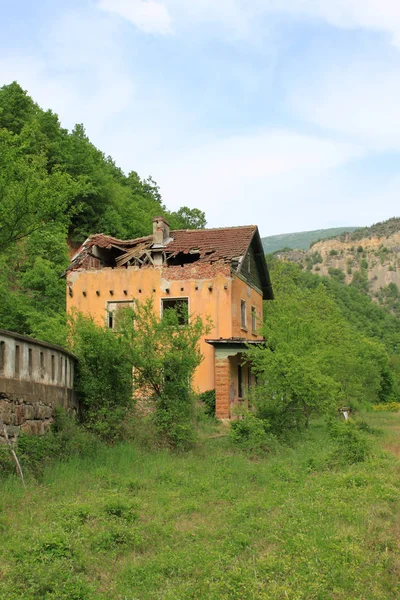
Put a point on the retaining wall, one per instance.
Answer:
(35, 378)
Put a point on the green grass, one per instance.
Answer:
(212, 524)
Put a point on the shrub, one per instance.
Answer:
(360, 249)
(351, 446)
(66, 438)
(388, 406)
(104, 376)
(333, 252)
(165, 353)
(250, 433)
(208, 398)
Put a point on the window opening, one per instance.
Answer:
(113, 308)
(180, 305)
(17, 359)
(41, 364)
(243, 314)
(2, 356)
(30, 362)
(53, 367)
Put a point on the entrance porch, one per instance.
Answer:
(233, 376)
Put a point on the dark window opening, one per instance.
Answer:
(17, 360)
(180, 305)
(30, 362)
(53, 367)
(243, 314)
(2, 355)
(110, 319)
(41, 364)
(240, 382)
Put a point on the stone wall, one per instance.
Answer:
(35, 378)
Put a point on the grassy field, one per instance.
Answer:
(212, 524)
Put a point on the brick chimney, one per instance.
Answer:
(160, 231)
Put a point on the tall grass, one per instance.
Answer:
(126, 523)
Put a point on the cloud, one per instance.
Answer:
(148, 15)
(359, 100)
(240, 16)
(265, 177)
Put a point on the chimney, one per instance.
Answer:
(160, 231)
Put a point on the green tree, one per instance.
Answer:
(164, 355)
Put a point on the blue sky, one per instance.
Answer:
(283, 113)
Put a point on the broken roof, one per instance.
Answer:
(228, 245)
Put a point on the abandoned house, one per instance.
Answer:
(221, 273)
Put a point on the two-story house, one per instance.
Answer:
(221, 273)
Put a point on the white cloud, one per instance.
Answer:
(148, 15)
(264, 178)
(239, 15)
(359, 100)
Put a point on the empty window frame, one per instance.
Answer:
(180, 305)
(53, 367)
(2, 356)
(17, 360)
(42, 364)
(253, 319)
(113, 309)
(243, 314)
(30, 362)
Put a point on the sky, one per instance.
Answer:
(281, 113)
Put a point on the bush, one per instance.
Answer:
(333, 252)
(388, 406)
(352, 446)
(66, 438)
(208, 398)
(165, 354)
(104, 377)
(250, 433)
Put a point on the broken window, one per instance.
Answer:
(180, 305)
(243, 314)
(113, 308)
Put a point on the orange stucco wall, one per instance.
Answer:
(92, 289)
(242, 291)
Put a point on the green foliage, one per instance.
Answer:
(212, 523)
(333, 252)
(164, 355)
(337, 274)
(251, 434)
(352, 446)
(360, 281)
(56, 184)
(103, 377)
(64, 440)
(302, 240)
(315, 359)
(208, 398)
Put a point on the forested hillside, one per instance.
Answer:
(56, 186)
(367, 259)
(301, 240)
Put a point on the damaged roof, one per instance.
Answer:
(228, 245)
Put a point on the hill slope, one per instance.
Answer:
(301, 240)
(367, 259)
